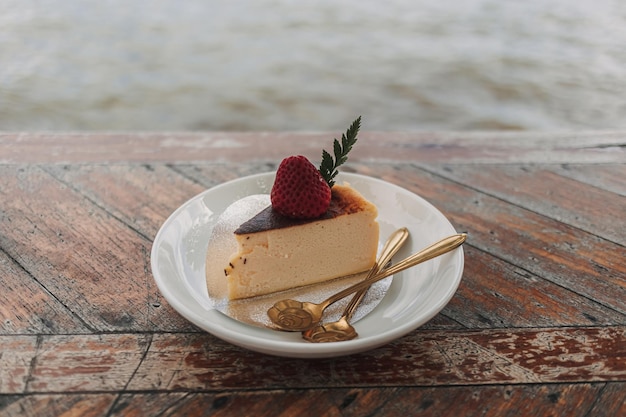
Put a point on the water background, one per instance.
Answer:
(312, 65)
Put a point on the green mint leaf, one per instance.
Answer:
(337, 149)
(328, 166)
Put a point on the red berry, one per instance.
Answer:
(299, 190)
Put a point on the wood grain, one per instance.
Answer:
(93, 263)
(608, 177)
(197, 361)
(432, 147)
(495, 293)
(537, 327)
(501, 401)
(542, 190)
(28, 307)
(550, 249)
(16, 361)
(141, 196)
(87, 405)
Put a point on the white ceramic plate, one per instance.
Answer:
(414, 296)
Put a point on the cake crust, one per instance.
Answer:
(344, 201)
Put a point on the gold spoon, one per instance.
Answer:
(341, 329)
(292, 315)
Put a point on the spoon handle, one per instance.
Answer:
(391, 247)
(436, 249)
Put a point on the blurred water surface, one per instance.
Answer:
(312, 65)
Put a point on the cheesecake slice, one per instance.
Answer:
(276, 253)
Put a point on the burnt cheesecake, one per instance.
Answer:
(275, 253)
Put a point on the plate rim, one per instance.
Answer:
(287, 348)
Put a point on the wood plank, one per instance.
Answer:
(198, 361)
(72, 363)
(152, 404)
(562, 254)
(83, 405)
(428, 358)
(212, 174)
(611, 401)
(494, 293)
(16, 360)
(94, 264)
(450, 147)
(533, 400)
(299, 403)
(607, 177)
(27, 307)
(488, 401)
(540, 189)
(142, 196)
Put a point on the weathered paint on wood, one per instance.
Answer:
(197, 361)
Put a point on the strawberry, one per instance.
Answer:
(299, 190)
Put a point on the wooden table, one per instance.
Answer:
(537, 327)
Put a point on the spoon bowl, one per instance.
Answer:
(294, 315)
(337, 331)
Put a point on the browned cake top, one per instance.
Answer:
(344, 201)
